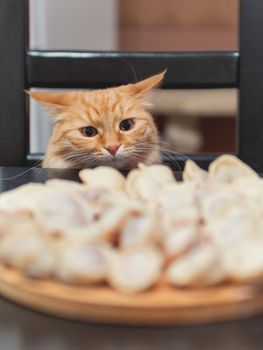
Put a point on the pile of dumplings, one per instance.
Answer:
(137, 232)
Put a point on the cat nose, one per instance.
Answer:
(112, 149)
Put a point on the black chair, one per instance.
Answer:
(22, 69)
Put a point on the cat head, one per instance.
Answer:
(101, 127)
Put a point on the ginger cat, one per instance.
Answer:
(109, 127)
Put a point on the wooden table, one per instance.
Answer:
(23, 329)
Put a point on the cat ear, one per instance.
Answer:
(146, 84)
(56, 100)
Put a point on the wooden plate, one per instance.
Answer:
(162, 305)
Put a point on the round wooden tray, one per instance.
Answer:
(162, 305)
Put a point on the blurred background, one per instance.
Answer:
(190, 121)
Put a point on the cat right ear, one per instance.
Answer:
(53, 100)
(147, 84)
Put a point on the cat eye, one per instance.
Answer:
(89, 131)
(126, 124)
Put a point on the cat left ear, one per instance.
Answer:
(53, 99)
(147, 84)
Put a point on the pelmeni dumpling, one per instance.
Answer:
(59, 212)
(228, 168)
(136, 269)
(13, 221)
(140, 230)
(161, 173)
(65, 186)
(25, 197)
(28, 251)
(198, 267)
(83, 262)
(147, 181)
(104, 177)
(177, 206)
(177, 195)
(244, 261)
(112, 222)
(179, 241)
(228, 217)
(251, 190)
(192, 172)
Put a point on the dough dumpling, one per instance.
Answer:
(82, 262)
(104, 177)
(244, 262)
(198, 267)
(136, 269)
(27, 251)
(139, 230)
(147, 181)
(192, 172)
(228, 168)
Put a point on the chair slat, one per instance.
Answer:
(14, 137)
(250, 123)
(59, 69)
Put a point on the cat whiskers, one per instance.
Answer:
(133, 154)
(135, 158)
(35, 166)
(159, 146)
(166, 146)
(80, 158)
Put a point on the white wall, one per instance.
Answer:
(68, 25)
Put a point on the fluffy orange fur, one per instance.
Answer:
(103, 111)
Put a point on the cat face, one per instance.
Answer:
(103, 127)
